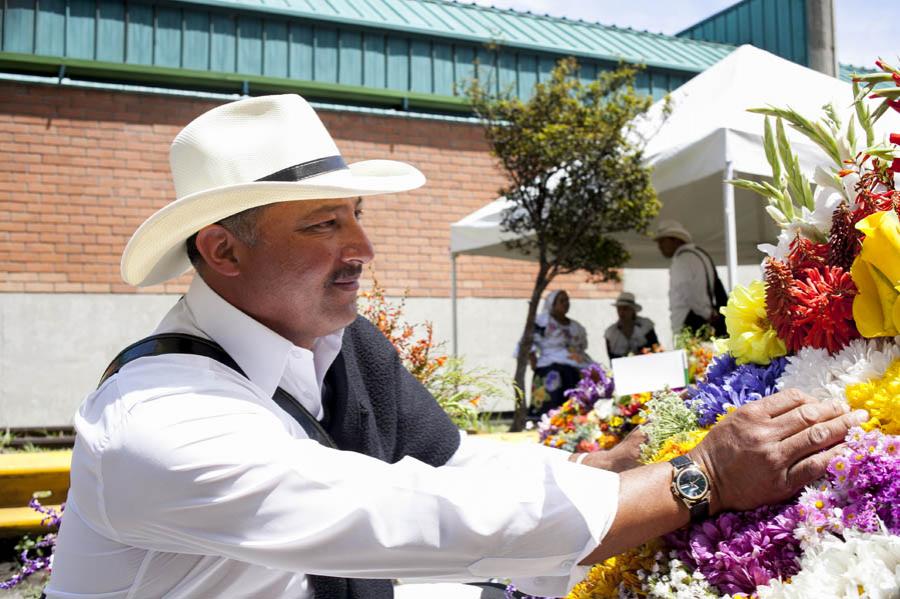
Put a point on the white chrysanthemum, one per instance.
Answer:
(863, 360)
(826, 377)
(863, 564)
(809, 371)
(677, 582)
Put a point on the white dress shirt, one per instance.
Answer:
(189, 481)
(690, 280)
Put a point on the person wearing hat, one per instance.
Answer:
(631, 333)
(240, 451)
(695, 291)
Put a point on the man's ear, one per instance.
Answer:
(217, 245)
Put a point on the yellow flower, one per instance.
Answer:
(604, 579)
(876, 272)
(751, 337)
(678, 444)
(881, 398)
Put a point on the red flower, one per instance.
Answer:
(824, 308)
(895, 138)
(812, 307)
(806, 254)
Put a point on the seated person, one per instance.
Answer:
(631, 334)
(559, 352)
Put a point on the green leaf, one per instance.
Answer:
(771, 152)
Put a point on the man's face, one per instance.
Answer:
(668, 245)
(626, 313)
(302, 275)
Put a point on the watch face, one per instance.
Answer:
(692, 483)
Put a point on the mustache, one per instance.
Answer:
(347, 272)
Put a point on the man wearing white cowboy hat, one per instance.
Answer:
(631, 333)
(695, 291)
(225, 456)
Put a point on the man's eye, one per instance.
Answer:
(325, 224)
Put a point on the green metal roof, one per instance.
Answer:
(778, 27)
(846, 71)
(469, 22)
(407, 54)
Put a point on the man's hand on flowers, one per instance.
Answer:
(761, 453)
(768, 450)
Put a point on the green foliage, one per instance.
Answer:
(466, 395)
(666, 415)
(575, 170)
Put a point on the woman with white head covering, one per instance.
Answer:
(558, 354)
(630, 334)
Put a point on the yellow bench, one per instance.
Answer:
(22, 475)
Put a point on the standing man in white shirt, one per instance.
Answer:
(695, 291)
(209, 470)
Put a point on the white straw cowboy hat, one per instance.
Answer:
(626, 298)
(245, 154)
(673, 228)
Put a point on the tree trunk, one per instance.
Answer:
(540, 284)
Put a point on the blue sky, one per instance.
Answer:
(866, 29)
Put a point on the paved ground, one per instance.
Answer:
(29, 589)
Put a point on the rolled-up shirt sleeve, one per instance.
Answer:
(237, 484)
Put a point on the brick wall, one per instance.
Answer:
(80, 170)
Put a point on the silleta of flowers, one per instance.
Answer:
(825, 319)
(591, 418)
(594, 418)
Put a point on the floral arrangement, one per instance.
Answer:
(594, 418)
(463, 393)
(591, 418)
(700, 348)
(824, 319)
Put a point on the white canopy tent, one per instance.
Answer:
(708, 138)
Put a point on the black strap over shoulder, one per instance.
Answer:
(179, 343)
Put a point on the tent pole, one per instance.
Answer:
(453, 316)
(730, 225)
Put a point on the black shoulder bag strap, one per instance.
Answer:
(179, 343)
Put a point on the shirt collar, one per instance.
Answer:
(261, 353)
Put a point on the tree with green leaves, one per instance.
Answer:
(575, 175)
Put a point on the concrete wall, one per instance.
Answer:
(54, 346)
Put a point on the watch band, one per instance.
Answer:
(699, 511)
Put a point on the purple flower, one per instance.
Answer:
(730, 386)
(738, 551)
(594, 384)
(720, 368)
(40, 555)
(864, 483)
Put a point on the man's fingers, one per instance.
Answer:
(806, 415)
(783, 401)
(811, 468)
(821, 435)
